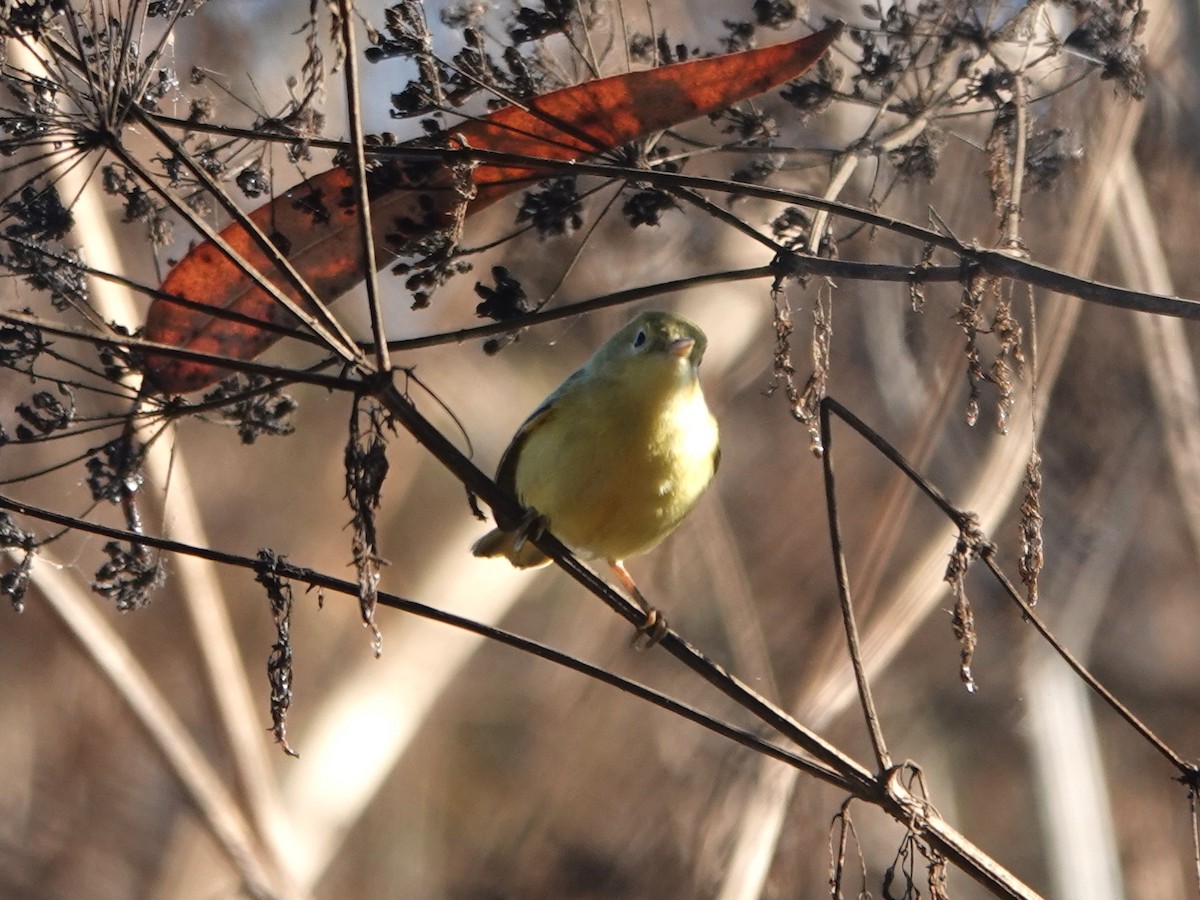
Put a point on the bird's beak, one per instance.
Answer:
(682, 347)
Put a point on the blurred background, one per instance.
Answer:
(454, 767)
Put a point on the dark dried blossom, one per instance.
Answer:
(20, 346)
(969, 545)
(1032, 555)
(280, 673)
(14, 582)
(44, 414)
(506, 300)
(40, 215)
(386, 174)
(139, 204)
(159, 86)
(524, 79)
(808, 97)
(255, 405)
(646, 206)
(253, 181)
(970, 32)
(30, 17)
(60, 274)
(115, 470)
(473, 69)
(880, 66)
(415, 100)
(208, 158)
(741, 36)
(774, 13)
(407, 33)
(757, 171)
(37, 97)
(432, 235)
(366, 470)
(792, 227)
(130, 577)
(813, 95)
(554, 210)
(174, 170)
(994, 85)
(438, 263)
(1048, 154)
(115, 360)
(749, 126)
(1110, 37)
(202, 109)
(532, 24)
(410, 37)
(919, 159)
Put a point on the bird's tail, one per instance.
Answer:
(513, 546)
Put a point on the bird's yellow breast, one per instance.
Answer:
(615, 467)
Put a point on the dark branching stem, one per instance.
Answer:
(831, 764)
(882, 790)
(1188, 772)
(882, 758)
(995, 262)
(367, 247)
(505, 506)
(281, 374)
(843, 773)
(320, 321)
(284, 570)
(784, 265)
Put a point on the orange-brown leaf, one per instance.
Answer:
(316, 223)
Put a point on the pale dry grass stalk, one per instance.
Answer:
(195, 580)
(1072, 790)
(366, 722)
(1166, 354)
(1076, 810)
(216, 806)
(365, 725)
(225, 675)
(920, 588)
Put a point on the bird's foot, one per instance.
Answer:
(655, 627)
(531, 527)
(650, 632)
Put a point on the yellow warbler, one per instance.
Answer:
(615, 458)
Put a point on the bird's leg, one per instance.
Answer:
(655, 627)
(531, 527)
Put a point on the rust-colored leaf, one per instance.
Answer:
(316, 226)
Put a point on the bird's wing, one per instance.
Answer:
(506, 472)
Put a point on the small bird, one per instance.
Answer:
(616, 457)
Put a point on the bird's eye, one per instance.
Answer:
(639, 339)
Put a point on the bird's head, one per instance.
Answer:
(654, 333)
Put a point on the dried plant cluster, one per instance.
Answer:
(903, 244)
